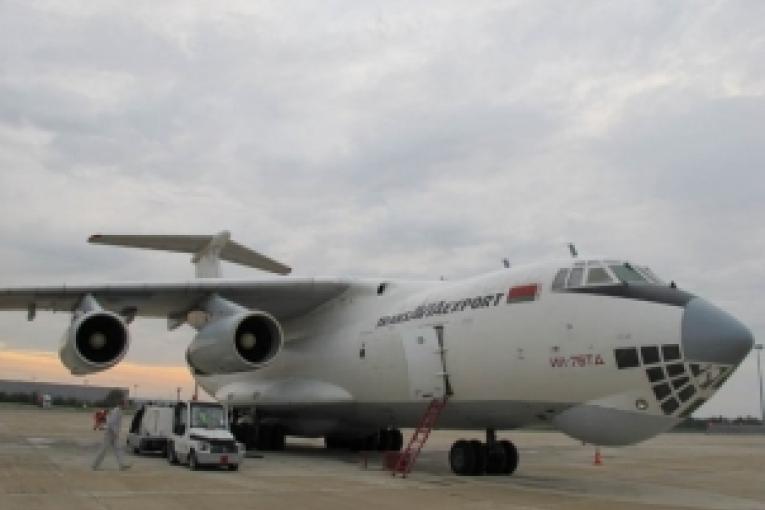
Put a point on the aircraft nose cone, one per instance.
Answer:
(712, 335)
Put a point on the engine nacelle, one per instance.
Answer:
(235, 343)
(95, 341)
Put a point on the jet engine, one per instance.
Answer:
(96, 340)
(234, 343)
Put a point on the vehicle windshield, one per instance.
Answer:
(208, 417)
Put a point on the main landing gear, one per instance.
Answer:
(477, 458)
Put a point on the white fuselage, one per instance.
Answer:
(366, 360)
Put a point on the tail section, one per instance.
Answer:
(207, 251)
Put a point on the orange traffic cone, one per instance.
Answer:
(598, 458)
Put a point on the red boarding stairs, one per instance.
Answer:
(407, 458)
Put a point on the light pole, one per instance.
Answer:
(759, 380)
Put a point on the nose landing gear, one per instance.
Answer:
(477, 458)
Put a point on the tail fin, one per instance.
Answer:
(207, 251)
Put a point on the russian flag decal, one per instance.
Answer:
(522, 293)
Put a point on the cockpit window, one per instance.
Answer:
(575, 277)
(598, 276)
(627, 274)
(650, 275)
(560, 279)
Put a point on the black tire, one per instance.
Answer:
(397, 441)
(263, 438)
(496, 460)
(170, 454)
(278, 438)
(479, 451)
(383, 440)
(233, 467)
(192, 461)
(372, 442)
(462, 458)
(356, 444)
(511, 456)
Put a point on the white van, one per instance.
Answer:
(150, 428)
(200, 437)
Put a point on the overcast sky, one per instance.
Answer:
(407, 139)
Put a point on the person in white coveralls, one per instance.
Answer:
(111, 437)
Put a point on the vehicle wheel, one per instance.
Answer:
(233, 467)
(511, 456)
(496, 460)
(479, 450)
(462, 458)
(193, 465)
(170, 454)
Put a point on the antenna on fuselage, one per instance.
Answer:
(572, 249)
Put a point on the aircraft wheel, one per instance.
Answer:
(397, 441)
(462, 458)
(372, 442)
(263, 438)
(479, 450)
(383, 440)
(331, 442)
(278, 438)
(496, 459)
(511, 456)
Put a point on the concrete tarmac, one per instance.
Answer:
(45, 460)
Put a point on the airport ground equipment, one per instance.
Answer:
(598, 348)
(150, 429)
(200, 437)
(421, 433)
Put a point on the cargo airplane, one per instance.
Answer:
(601, 349)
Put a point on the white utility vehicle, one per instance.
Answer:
(200, 436)
(151, 427)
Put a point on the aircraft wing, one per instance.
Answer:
(283, 298)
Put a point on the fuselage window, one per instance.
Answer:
(560, 279)
(575, 277)
(626, 274)
(598, 276)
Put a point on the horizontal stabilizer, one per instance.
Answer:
(206, 250)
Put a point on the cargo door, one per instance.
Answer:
(426, 363)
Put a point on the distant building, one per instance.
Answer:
(66, 394)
